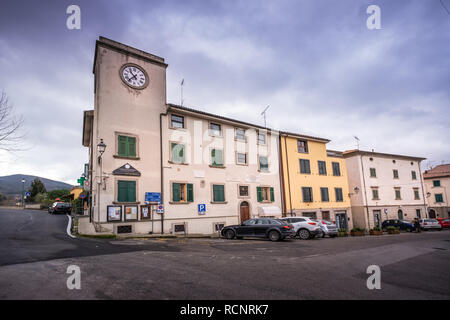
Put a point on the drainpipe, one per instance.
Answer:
(282, 190)
(162, 169)
(365, 192)
(289, 180)
(423, 192)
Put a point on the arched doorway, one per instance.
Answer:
(432, 214)
(400, 215)
(244, 210)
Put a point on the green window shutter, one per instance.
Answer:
(175, 192)
(122, 193)
(216, 157)
(272, 194)
(259, 194)
(190, 192)
(131, 191)
(131, 147)
(218, 193)
(122, 146)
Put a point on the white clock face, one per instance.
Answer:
(134, 77)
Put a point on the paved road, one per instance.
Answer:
(413, 266)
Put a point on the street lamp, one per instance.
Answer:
(101, 149)
(23, 193)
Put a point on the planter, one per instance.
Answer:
(375, 233)
(357, 233)
(342, 234)
(393, 231)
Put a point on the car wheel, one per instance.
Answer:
(409, 230)
(229, 234)
(304, 234)
(274, 235)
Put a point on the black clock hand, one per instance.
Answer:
(134, 75)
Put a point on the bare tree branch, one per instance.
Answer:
(10, 125)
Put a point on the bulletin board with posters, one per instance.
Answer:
(131, 213)
(114, 213)
(146, 212)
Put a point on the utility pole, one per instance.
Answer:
(264, 114)
(181, 88)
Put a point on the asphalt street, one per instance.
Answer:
(35, 253)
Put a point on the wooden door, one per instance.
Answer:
(245, 211)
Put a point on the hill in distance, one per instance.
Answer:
(12, 185)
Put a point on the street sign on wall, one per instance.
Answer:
(160, 209)
(202, 208)
(153, 197)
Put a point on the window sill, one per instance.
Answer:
(242, 164)
(266, 201)
(219, 202)
(218, 167)
(126, 203)
(125, 157)
(264, 171)
(176, 128)
(181, 202)
(180, 163)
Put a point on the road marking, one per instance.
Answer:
(68, 227)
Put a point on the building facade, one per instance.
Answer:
(314, 180)
(384, 186)
(437, 185)
(167, 168)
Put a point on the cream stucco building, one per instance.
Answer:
(384, 186)
(437, 185)
(168, 168)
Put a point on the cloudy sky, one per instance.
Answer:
(315, 62)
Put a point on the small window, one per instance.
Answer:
(126, 146)
(182, 192)
(416, 194)
(215, 129)
(413, 175)
(218, 193)
(398, 195)
(336, 169)
(322, 168)
(418, 214)
(302, 146)
(304, 166)
(265, 194)
(243, 191)
(373, 173)
(261, 138)
(375, 195)
(439, 198)
(395, 172)
(339, 195)
(126, 191)
(178, 152)
(241, 158)
(436, 183)
(176, 121)
(324, 195)
(216, 157)
(307, 194)
(218, 226)
(263, 163)
(240, 134)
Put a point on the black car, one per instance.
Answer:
(60, 207)
(274, 229)
(402, 225)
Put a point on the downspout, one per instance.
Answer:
(423, 192)
(282, 190)
(162, 169)
(365, 192)
(289, 179)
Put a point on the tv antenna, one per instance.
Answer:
(181, 87)
(357, 141)
(264, 114)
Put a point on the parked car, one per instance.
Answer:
(430, 224)
(445, 223)
(328, 228)
(304, 227)
(401, 224)
(273, 229)
(60, 207)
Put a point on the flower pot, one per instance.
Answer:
(357, 233)
(375, 233)
(393, 231)
(342, 234)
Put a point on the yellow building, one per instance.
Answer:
(314, 179)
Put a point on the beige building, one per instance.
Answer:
(384, 186)
(437, 185)
(168, 168)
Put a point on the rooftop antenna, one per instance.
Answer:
(181, 87)
(357, 141)
(264, 114)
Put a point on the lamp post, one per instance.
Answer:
(101, 149)
(23, 193)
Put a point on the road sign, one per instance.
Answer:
(82, 195)
(86, 184)
(153, 197)
(27, 194)
(202, 208)
(160, 209)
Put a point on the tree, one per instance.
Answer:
(58, 193)
(10, 125)
(36, 187)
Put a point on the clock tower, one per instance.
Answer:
(130, 95)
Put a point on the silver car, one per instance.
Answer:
(328, 228)
(304, 227)
(430, 224)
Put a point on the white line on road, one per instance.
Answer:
(68, 227)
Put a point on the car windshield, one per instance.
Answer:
(430, 220)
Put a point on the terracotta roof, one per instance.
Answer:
(440, 171)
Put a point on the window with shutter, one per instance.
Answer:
(216, 157)
(218, 193)
(324, 194)
(126, 146)
(336, 169)
(176, 192)
(339, 195)
(263, 163)
(190, 192)
(322, 168)
(259, 194)
(126, 191)
(307, 194)
(304, 166)
(272, 195)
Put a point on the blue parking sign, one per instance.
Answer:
(202, 208)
